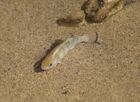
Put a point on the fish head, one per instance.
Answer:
(47, 63)
(51, 60)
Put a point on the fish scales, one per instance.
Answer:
(60, 51)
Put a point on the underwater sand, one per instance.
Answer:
(106, 72)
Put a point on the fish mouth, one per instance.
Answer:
(43, 69)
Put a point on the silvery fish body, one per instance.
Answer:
(58, 53)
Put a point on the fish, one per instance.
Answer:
(75, 19)
(57, 54)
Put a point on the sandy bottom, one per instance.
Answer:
(106, 72)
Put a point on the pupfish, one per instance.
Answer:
(57, 54)
(75, 19)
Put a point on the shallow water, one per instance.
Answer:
(107, 72)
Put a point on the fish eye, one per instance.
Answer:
(50, 64)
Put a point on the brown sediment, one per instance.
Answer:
(109, 72)
(93, 11)
(104, 10)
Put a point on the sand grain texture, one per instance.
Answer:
(109, 72)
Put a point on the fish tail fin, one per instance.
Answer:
(94, 38)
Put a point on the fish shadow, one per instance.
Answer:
(37, 65)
